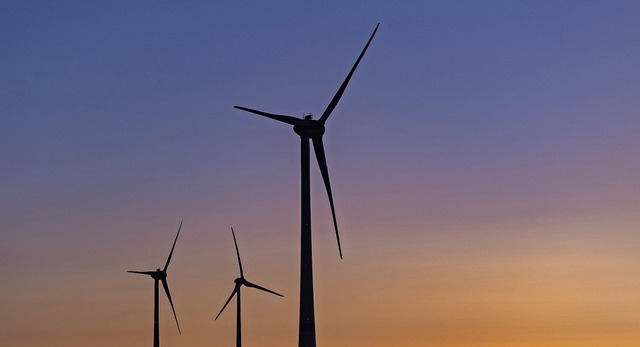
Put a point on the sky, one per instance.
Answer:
(483, 159)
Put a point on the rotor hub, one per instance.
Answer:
(309, 127)
(159, 275)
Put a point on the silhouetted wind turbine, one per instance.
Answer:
(161, 276)
(241, 281)
(308, 128)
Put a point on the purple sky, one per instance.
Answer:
(484, 163)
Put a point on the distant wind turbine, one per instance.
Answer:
(161, 276)
(241, 281)
(308, 128)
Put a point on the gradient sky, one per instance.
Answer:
(484, 162)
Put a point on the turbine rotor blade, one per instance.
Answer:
(166, 290)
(318, 147)
(235, 289)
(252, 285)
(278, 117)
(172, 247)
(237, 252)
(142, 272)
(342, 88)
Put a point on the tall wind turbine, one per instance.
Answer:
(308, 128)
(241, 281)
(161, 276)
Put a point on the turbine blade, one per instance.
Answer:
(235, 289)
(237, 252)
(338, 95)
(166, 290)
(172, 247)
(252, 285)
(142, 272)
(278, 117)
(322, 163)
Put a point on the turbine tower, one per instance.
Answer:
(161, 276)
(309, 129)
(240, 281)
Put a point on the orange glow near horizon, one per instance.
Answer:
(483, 161)
(544, 287)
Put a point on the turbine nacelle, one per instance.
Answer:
(309, 127)
(158, 275)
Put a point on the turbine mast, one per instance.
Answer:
(156, 314)
(307, 323)
(239, 321)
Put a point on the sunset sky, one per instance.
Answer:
(485, 165)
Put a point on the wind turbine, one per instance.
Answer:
(308, 128)
(161, 276)
(241, 281)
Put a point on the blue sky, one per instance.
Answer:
(472, 135)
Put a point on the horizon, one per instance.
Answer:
(483, 162)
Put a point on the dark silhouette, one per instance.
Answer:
(241, 281)
(161, 275)
(308, 128)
